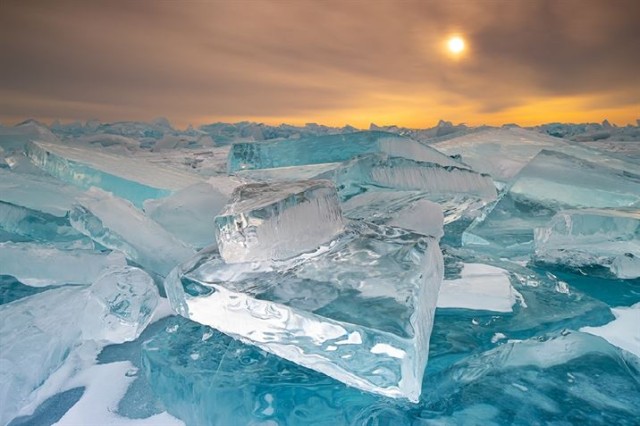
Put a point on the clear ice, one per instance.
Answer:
(329, 149)
(359, 310)
(120, 304)
(381, 172)
(279, 220)
(187, 213)
(551, 182)
(116, 224)
(592, 238)
(127, 178)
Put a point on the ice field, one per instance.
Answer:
(258, 275)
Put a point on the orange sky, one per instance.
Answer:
(331, 62)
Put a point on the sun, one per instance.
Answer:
(455, 45)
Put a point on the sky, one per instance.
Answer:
(332, 62)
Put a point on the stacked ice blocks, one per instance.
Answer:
(352, 300)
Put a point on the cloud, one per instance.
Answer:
(305, 60)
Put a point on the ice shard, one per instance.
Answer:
(120, 304)
(117, 224)
(133, 179)
(329, 149)
(39, 265)
(189, 213)
(278, 220)
(380, 171)
(551, 182)
(591, 238)
(22, 224)
(359, 310)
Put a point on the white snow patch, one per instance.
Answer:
(481, 287)
(624, 331)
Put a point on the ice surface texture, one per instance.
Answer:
(359, 310)
(550, 183)
(120, 305)
(329, 149)
(592, 237)
(277, 221)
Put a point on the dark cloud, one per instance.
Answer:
(312, 60)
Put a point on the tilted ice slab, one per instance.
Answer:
(188, 213)
(393, 190)
(328, 149)
(37, 265)
(592, 237)
(117, 224)
(129, 178)
(548, 184)
(380, 171)
(23, 224)
(359, 309)
(38, 193)
(502, 153)
(278, 220)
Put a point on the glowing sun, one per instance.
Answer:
(456, 45)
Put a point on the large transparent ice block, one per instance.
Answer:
(133, 179)
(329, 149)
(359, 310)
(591, 238)
(382, 172)
(551, 182)
(117, 224)
(275, 221)
(39, 265)
(189, 213)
